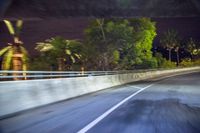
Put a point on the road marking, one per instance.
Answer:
(97, 120)
(136, 87)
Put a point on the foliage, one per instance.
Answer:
(168, 64)
(189, 63)
(186, 63)
(116, 56)
(60, 50)
(196, 62)
(163, 63)
(193, 48)
(131, 39)
(16, 48)
(8, 53)
(40, 63)
(170, 40)
(159, 58)
(149, 64)
(107, 38)
(138, 53)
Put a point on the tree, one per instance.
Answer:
(131, 40)
(107, 38)
(162, 62)
(60, 50)
(170, 40)
(144, 32)
(15, 56)
(192, 47)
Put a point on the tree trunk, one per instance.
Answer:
(170, 51)
(101, 27)
(17, 62)
(60, 64)
(177, 57)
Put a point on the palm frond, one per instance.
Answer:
(19, 24)
(4, 50)
(73, 59)
(77, 55)
(68, 52)
(25, 54)
(10, 27)
(43, 47)
(7, 59)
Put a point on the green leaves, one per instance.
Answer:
(127, 42)
(9, 51)
(68, 52)
(7, 54)
(15, 31)
(4, 50)
(170, 39)
(192, 47)
(7, 60)
(10, 27)
(58, 47)
(44, 47)
(19, 25)
(116, 56)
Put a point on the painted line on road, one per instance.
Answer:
(136, 87)
(97, 120)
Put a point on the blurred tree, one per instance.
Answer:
(60, 50)
(192, 47)
(144, 32)
(128, 40)
(162, 62)
(170, 40)
(15, 56)
(107, 38)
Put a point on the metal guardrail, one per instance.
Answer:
(31, 75)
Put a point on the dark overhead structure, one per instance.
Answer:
(98, 8)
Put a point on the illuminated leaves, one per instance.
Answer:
(60, 48)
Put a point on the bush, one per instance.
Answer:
(186, 63)
(153, 63)
(39, 64)
(163, 63)
(148, 64)
(197, 62)
(168, 64)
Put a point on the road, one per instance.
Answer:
(169, 105)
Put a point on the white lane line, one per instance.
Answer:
(136, 87)
(97, 120)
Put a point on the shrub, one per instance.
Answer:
(186, 63)
(163, 63)
(196, 62)
(168, 64)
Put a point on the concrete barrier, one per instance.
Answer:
(16, 96)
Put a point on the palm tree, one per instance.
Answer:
(192, 48)
(170, 40)
(60, 49)
(15, 56)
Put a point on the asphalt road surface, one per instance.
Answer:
(170, 105)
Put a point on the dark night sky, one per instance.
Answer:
(98, 8)
(69, 18)
(37, 30)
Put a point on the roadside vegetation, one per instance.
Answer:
(109, 44)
